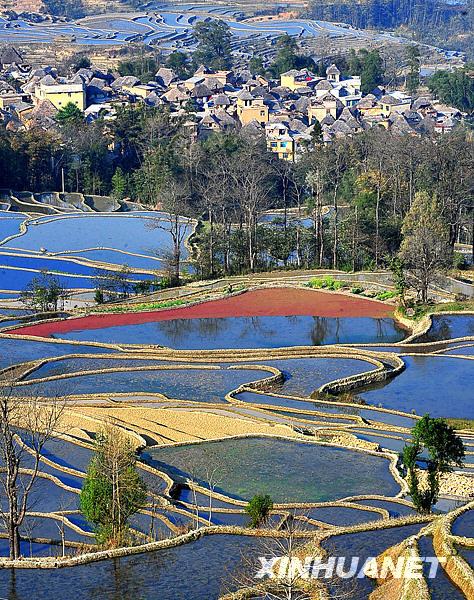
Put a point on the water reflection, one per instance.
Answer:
(248, 332)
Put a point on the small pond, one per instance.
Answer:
(288, 471)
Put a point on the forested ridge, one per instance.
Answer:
(433, 21)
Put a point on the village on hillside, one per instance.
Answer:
(285, 110)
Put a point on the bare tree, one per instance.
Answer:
(174, 199)
(26, 425)
(253, 185)
(277, 569)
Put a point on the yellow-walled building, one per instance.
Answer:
(250, 107)
(61, 94)
(280, 141)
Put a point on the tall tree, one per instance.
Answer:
(179, 62)
(444, 448)
(112, 491)
(413, 76)
(70, 114)
(425, 247)
(174, 198)
(214, 49)
(43, 293)
(372, 71)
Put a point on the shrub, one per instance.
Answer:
(357, 290)
(316, 283)
(459, 261)
(329, 282)
(258, 509)
(386, 295)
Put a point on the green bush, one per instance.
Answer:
(386, 295)
(357, 290)
(459, 261)
(258, 509)
(317, 283)
(327, 282)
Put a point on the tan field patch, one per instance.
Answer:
(167, 425)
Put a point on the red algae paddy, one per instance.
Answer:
(262, 302)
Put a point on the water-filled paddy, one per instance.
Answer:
(78, 232)
(364, 545)
(325, 407)
(192, 571)
(394, 508)
(446, 327)
(287, 471)
(340, 515)
(14, 350)
(54, 265)
(461, 350)
(75, 365)
(467, 554)
(119, 258)
(304, 375)
(440, 587)
(197, 384)
(17, 280)
(245, 332)
(424, 387)
(10, 226)
(464, 525)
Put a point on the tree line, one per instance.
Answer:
(229, 180)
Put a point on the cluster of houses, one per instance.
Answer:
(283, 111)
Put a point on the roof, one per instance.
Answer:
(390, 100)
(301, 105)
(11, 56)
(367, 102)
(401, 125)
(44, 109)
(209, 120)
(213, 83)
(421, 103)
(252, 129)
(201, 91)
(341, 127)
(221, 100)
(328, 120)
(165, 76)
(324, 84)
(225, 118)
(47, 80)
(281, 91)
(245, 95)
(175, 95)
(202, 69)
(304, 89)
(333, 70)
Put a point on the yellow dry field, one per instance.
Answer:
(168, 425)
